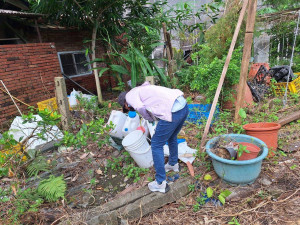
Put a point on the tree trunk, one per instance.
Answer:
(94, 35)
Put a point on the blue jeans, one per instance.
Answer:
(167, 132)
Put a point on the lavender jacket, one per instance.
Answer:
(151, 100)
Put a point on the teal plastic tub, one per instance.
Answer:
(233, 171)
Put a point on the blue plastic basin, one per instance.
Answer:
(233, 171)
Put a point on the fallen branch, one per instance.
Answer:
(259, 206)
(289, 118)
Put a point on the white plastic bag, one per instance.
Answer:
(18, 130)
(72, 99)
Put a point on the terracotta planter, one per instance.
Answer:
(267, 132)
(248, 99)
(255, 67)
(253, 151)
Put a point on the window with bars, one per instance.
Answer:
(74, 64)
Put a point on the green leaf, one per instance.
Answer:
(161, 75)
(119, 69)
(144, 59)
(156, 44)
(207, 177)
(126, 57)
(242, 113)
(133, 72)
(222, 199)
(225, 193)
(102, 71)
(209, 192)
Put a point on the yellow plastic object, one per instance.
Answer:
(49, 104)
(16, 149)
(293, 86)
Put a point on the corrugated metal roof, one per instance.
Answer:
(20, 14)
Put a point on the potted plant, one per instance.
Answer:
(235, 171)
(247, 151)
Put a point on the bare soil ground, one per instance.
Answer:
(274, 198)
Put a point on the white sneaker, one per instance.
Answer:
(163, 187)
(175, 168)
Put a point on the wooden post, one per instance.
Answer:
(168, 48)
(94, 36)
(150, 79)
(246, 58)
(221, 81)
(62, 102)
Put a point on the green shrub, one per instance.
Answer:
(204, 77)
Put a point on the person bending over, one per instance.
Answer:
(169, 107)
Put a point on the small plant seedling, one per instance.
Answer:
(196, 207)
(234, 221)
(282, 153)
(293, 167)
(198, 176)
(192, 187)
(93, 181)
(201, 200)
(241, 150)
(223, 195)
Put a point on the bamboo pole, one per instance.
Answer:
(221, 81)
(246, 58)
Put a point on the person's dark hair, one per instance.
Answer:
(122, 101)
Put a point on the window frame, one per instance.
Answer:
(75, 52)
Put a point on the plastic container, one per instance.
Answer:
(233, 171)
(49, 104)
(139, 149)
(252, 154)
(132, 122)
(293, 87)
(72, 99)
(267, 132)
(197, 112)
(118, 119)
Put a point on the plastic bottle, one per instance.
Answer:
(118, 119)
(72, 99)
(132, 122)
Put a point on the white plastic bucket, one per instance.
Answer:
(139, 149)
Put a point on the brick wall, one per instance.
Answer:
(72, 40)
(28, 71)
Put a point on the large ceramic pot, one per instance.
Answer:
(233, 171)
(267, 132)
